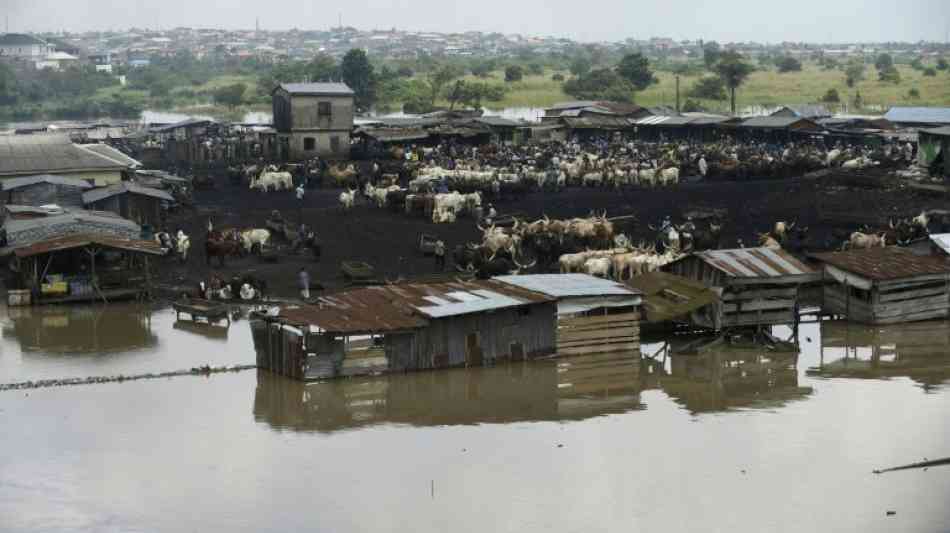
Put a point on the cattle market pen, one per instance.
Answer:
(885, 285)
(409, 327)
(756, 286)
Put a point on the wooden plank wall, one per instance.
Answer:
(892, 303)
(598, 334)
(759, 305)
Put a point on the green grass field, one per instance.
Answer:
(763, 88)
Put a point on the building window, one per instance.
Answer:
(323, 109)
(309, 144)
(335, 144)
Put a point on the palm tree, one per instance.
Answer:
(733, 71)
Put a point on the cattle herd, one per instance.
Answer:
(445, 183)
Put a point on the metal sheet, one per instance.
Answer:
(568, 285)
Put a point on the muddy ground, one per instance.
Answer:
(387, 240)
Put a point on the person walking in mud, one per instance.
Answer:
(303, 280)
(439, 252)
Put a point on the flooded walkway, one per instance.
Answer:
(732, 440)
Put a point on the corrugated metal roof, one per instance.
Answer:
(806, 110)
(81, 240)
(664, 120)
(755, 263)
(394, 134)
(405, 307)
(47, 154)
(318, 89)
(776, 122)
(919, 115)
(19, 39)
(25, 181)
(26, 231)
(886, 264)
(943, 131)
(501, 122)
(572, 105)
(111, 153)
(568, 285)
(942, 240)
(121, 188)
(595, 122)
(187, 123)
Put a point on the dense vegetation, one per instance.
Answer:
(225, 86)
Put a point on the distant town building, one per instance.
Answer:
(22, 46)
(56, 61)
(313, 119)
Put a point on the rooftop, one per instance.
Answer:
(83, 240)
(806, 110)
(755, 263)
(317, 89)
(667, 297)
(394, 308)
(919, 115)
(568, 285)
(95, 195)
(18, 39)
(25, 181)
(776, 122)
(886, 264)
(40, 154)
(942, 240)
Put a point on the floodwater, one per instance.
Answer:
(731, 440)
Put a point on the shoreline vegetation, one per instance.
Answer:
(228, 92)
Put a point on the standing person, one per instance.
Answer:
(303, 279)
(703, 167)
(439, 255)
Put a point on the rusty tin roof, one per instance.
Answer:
(81, 240)
(406, 307)
(755, 263)
(886, 264)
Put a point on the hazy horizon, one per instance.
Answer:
(596, 20)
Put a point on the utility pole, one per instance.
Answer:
(677, 93)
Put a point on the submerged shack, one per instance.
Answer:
(594, 315)
(406, 327)
(885, 285)
(756, 286)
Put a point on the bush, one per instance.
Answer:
(558, 77)
(514, 73)
(889, 74)
(831, 97)
(692, 106)
(913, 94)
(405, 72)
(788, 64)
(930, 71)
(917, 64)
(942, 64)
(230, 95)
(536, 69)
(601, 84)
(709, 88)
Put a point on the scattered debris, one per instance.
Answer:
(924, 464)
(205, 370)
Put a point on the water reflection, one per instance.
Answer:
(566, 389)
(919, 351)
(725, 379)
(100, 329)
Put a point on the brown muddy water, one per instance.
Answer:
(734, 440)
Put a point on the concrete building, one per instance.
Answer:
(22, 46)
(313, 119)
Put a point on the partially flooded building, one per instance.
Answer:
(885, 285)
(406, 327)
(313, 119)
(755, 286)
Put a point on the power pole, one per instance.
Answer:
(677, 93)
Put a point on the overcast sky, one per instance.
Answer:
(587, 20)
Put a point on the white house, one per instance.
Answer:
(24, 46)
(56, 61)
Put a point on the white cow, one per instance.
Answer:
(347, 199)
(254, 236)
(270, 179)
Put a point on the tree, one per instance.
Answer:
(230, 95)
(788, 64)
(917, 64)
(831, 96)
(8, 85)
(439, 78)
(883, 61)
(889, 74)
(709, 88)
(558, 77)
(858, 102)
(942, 64)
(536, 69)
(930, 71)
(483, 69)
(580, 66)
(473, 93)
(600, 84)
(692, 106)
(358, 73)
(514, 73)
(635, 68)
(854, 72)
(405, 72)
(913, 94)
(733, 71)
(711, 53)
